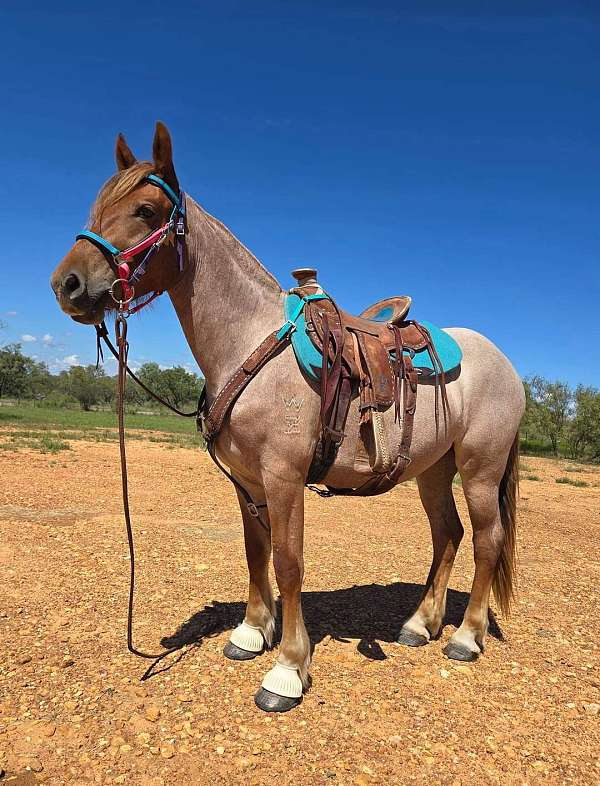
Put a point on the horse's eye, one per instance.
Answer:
(145, 211)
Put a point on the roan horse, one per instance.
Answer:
(227, 302)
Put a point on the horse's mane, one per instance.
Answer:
(118, 186)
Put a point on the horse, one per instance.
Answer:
(227, 302)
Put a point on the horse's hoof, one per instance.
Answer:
(233, 652)
(411, 639)
(272, 702)
(459, 652)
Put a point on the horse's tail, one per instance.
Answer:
(508, 491)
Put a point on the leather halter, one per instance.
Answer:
(151, 243)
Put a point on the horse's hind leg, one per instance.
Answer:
(435, 489)
(249, 639)
(490, 485)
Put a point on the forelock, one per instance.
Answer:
(118, 186)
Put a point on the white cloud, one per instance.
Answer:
(71, 360)
(11, 313)
(47, 339)
(28, 338)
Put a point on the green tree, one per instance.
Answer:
(583, 433)
(14, 371)
(40, 381)
(86, 384)
(181, 386)
(175, 385)
(150, 375)
(529, 423)
(550, 407)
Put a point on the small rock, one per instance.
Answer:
(48, 729)
(462, 668)
(539, 765)
(220, 750)
(592, 708)
(167, 751)
(395, 740)
(66, 662)
(152, 713)
(24, 659)
(444, 673)
(33, 764)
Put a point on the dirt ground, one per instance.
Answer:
(74, 711)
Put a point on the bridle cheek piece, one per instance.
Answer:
(151, 243)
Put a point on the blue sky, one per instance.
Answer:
(450, 151)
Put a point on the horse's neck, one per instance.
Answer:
(226, 301)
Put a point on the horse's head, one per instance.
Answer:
(126, 220)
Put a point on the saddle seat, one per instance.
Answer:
(391, 309)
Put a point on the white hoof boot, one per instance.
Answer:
(247, 637)
(284, 681)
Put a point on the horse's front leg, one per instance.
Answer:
(282, 687)
(249, 639)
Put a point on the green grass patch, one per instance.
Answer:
(571, 468)
(573, 482)
(28, 415)
(524, 467)
(532, 477)
(44, 442)
(51, 430)
(49, 444)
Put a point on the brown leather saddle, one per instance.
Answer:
(368, 357)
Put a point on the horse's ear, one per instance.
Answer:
(163, 156)
(123, 154)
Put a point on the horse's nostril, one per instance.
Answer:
(71, 283)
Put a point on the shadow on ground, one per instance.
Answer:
(372, 613)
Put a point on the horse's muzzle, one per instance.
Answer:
(77, 300)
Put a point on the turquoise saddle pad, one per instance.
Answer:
(310, 361)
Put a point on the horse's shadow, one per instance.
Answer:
(371, 613)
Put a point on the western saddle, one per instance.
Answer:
(368, 356)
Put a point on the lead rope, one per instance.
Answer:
(123, 348)
(121, 355)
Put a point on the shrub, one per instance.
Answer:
(571, 482)
(56, 400)
(48, 444)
